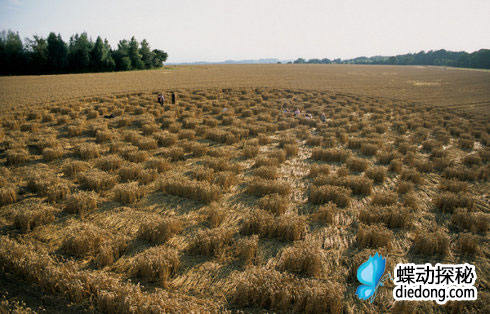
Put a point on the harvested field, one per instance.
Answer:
(456, 88)
(225, 203)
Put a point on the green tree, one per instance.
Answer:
(52, 55)
(125, 64)
(13, 58)
(38, 51)
(57, 53)
(101, 56)
(109, 62)
(134, 54)
(147, 55)
(79, 53)
(480, 59)
(121, 56)
(160, 56)
(313, 61)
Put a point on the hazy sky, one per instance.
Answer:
(215, 30)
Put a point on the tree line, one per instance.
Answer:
(478, 59)
(52, 55)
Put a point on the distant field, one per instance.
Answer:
(468, 89)
(110, 202)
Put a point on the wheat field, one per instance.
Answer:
(441, 86)
(224, 202)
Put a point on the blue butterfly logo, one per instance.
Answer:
(370, 274)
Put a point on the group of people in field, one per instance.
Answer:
(161, 98)
(297, 113)
(284, 109)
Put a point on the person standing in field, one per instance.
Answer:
(161, 99)
(173, 98)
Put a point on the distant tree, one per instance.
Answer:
(134, 54)
(121, 56)
(97, 55)
(37, 49)
(314, 61)
(109, 63)
(52, 55)
(299, 61)
(101, 58)
(392, 60)
(125, 64)
(147, 55)
(13, 58)
(421, 58)
(463, 60)
(57, 53)
(480, 59)
(159, 56)
(79, 53)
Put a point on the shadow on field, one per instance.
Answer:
(30, 296)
